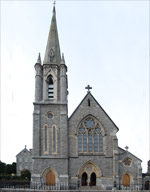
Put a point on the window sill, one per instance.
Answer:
(91, 154)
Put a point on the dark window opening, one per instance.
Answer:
(84, 179)
(93, 179)
(50, 87)
(147, 185)
(89, 102)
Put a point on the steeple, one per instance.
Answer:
(52, 53)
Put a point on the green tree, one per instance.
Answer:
(7, 169)
(25, 174)
(2, 168)
(13, 167)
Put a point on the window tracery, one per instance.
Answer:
(127, 162)
(90, 138)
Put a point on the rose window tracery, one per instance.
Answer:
(90, 138)
(127, 162)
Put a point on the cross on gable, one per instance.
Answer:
(126, 148)
(88, 88)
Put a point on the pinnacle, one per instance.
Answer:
(39, 59)
(62, 59)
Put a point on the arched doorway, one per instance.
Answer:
(25, 174)
(50, 178)
(84, 179)
(126, 180)
(93, 179)
(147, 185)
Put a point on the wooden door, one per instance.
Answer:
(126, 180)
(50, 178)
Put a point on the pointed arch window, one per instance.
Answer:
(93, 179)
(84, 179)
(45, 139)
(50, 85)
(90, 138)
(54, 139)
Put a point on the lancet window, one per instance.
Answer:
(45, 138)
(90, 138)
(54, 139)
(50, 85)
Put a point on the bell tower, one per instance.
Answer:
(50, 116)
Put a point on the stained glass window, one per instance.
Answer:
(90, 138)
(90, 143)
(45, 138)
(49, 115)
(85, 142)
(89, 123)
(95, 143)
(80, 142)
(127, 161)
(54, 139)
(100, 143)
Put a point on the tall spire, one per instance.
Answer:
(52, 53)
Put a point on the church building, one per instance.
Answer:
(82, 148)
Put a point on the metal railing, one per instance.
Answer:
(58, 186)
(133, 187)
(38, 186)
(14, 184)
(66, 186)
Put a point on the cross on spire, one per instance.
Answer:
(54, 7)
(88, 88)
(52, 42)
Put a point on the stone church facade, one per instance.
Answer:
(146, 177)
(24, 161)
(82, 148)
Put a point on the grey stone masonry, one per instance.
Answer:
(24, 161)
(50, 116)
(82, 149)
(38, 82)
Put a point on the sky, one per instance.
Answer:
(105, 44)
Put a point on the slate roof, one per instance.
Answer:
(89, 93)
